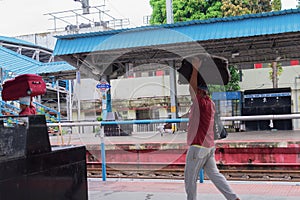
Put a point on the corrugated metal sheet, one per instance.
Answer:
(54, 67)
(19, 64)
(198, 30)
(12, 61)
(15, 41)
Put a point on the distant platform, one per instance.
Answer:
(274, 138)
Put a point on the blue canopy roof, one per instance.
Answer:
(198, 30)
(16, 41)
(19, 64)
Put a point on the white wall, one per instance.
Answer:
(159, 86)
(87, 90)
(259, 78)
(46, 40)
(133, 88)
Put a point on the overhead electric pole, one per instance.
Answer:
(169, 9)
(173, 88)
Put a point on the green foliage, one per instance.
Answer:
(234, 83)
(41, 111)
(9, 120)
(241, 7)
(52, 119)
(185, 10)
(279, 70)
(234, 8)
(158, 12)
(276, 5)
(99, 118)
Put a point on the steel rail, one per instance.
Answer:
(178, 120)
(236, 174)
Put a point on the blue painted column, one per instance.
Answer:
(103, 156)
(104, 87)
(108, 96)
(104, 106)
(201, 176)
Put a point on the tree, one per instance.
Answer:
(233, 84)
(275, 72)
(159, 15)
(185, 10)
(241, 7)
(196, 9)
(234, 8)
(276, 5)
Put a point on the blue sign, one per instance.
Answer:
(283, 94)
(103, 86)
(226, 95)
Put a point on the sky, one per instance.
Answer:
(23, 17)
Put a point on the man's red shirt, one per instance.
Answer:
(29, 110)
(201, 121)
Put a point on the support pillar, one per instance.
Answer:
(173, 93)
(106, 97)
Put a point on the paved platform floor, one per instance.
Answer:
(119, 189)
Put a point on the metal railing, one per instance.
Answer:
(10, 109)
(53, 117)
(178, 120)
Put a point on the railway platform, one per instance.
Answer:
(260, 149)
(116, 189)
(244, 138)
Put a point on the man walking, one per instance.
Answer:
(200, 138)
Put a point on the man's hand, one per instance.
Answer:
(196, 62)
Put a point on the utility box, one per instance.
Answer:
(274, 101)
(116, 129)
(229, 104)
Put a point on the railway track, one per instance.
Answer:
(176, 172)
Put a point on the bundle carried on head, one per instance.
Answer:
(213, 70)
(23, 85)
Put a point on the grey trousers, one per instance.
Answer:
(196, 159)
